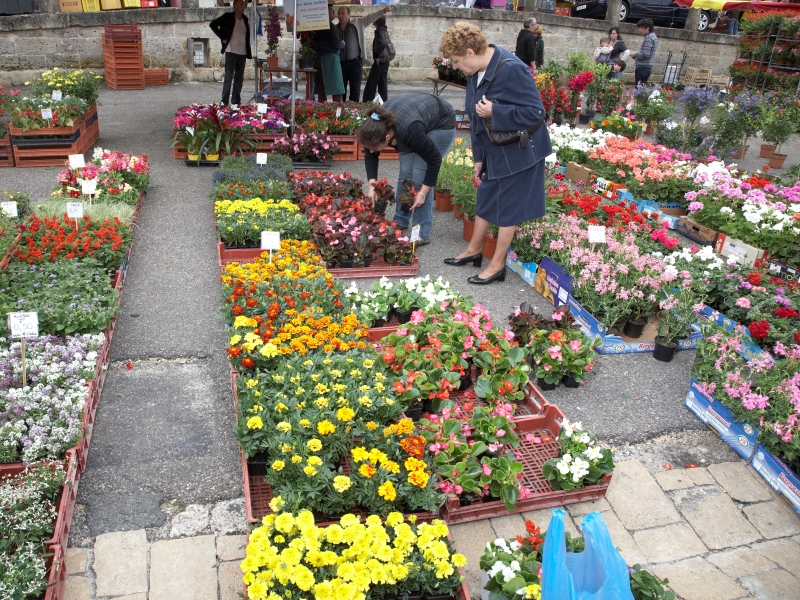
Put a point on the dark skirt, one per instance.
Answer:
(514, 199)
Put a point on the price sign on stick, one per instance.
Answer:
(75, 211)
(57, 95)
(261, 158)
(76, 161)
(338, 112)
(47, 114)
(23, 325)
(261, 107)
(9, 209)
(597, 234)
(88, 188)
(415, 233)
(190, 130)
(270, 240)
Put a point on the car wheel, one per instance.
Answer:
(702, 23)
(624, 11)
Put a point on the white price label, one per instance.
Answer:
(261, 158)
(338, 112)
(597, 234)
(75, 210)
(261, 108)
(47, 114)
(57, 95)
(88, 187)
(23, 324)
(415, 233)
(563, 295)
(234, 107)
(270, 240)
(76, 161)
(9, 209)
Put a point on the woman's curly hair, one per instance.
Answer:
(461, 37)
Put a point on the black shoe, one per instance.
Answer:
(460, 262)
(423, 242)
(499, 276)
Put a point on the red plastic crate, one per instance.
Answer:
(348, 147)
(156, 76)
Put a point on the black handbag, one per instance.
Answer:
(504, 138)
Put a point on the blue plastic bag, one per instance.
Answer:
(597, 573)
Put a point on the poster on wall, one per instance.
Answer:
(312, 15)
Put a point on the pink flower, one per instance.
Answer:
(487, 470)
(500, 433)
(508, 334)
(743, 303)
(557, 316)
(555, 353)
(418, 316)
(575, 345)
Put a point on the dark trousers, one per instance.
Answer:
(643, 73)
(234, 73)
(351, 75)
(377, 82)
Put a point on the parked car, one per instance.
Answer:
(661, 11)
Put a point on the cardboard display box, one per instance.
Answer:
(779, 476)
(606, 188)
(690, 228)
(749, 349)
(745, 253)
(68, 6)
(579, 174)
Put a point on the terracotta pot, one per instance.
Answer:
(649, 129)
(740, 154)
(444, 202)
(489, 246)
(776, 161)
(457, 212)
(272, 62)
(468, 227)
(766, 151)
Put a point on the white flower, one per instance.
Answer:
(563, 465)
(515, 566)
(584, 438)
(508, 574)
(726, 210)
(593, 453)
(704, 120)
(515, 545)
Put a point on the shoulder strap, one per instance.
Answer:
(494, 74)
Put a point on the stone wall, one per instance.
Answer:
(32, 43)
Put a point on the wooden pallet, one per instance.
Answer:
(697, 76)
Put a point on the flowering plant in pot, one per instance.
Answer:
(306, 147)
(384, 195)
(274, 31)
(777, 125)
(581, 462)
(577, 85)
(511, 573)
(408, 195)
(695, 102)
(678, 313)
(652, 105)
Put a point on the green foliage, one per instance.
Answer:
(244, 170)
(81, 84)
(646, 586)
(100, 211)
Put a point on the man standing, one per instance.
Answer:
(646, 56)
(233, 29)
(351, 31)
(526, 44)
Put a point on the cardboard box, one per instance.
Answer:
(749, 349)
(665, 214)
(111, 4)
(739, 436)
(69, 6)
(611, 344)
(579, 174)
(690, 228)
(606, 188)
(782, 271)
(779, 476)
(745, 253)
(131, 3)
(91, 5)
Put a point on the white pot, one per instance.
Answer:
(484, 581)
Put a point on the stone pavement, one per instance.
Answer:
(717, 533)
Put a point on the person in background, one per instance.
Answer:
(618, 47)
(233, 30)
(510, 178)
(377, 81)
(351, 31)
(733, 21)
(646, 55)
(617, 67)
(422, 127)
(602, 53)
(539, 40)
(526, 44)
(327, 45)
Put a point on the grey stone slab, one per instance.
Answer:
(696, 579)
(772, 585)
(783, 552)
(772, 519)
(192, 521)
(470, 540)
(673, 542)
(230, 581)
(133, 597)
(77, 588)
(508, 527)
(229, 517)
(231, 547)
(116, 576)
(740, 482)
(184, 568)
(715, 518)
(584, 508)
(740, 561)
(700, 476)
(677, 479)
(120, 511)
(76, 560)
(637, 499)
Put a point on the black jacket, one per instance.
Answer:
(379, 41)
(617, 50)
(526, 47)
(328, 42)
(223, 29)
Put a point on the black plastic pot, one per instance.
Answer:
(379, 322)
(570, 382)
(306, 63)
(403, 317)
(380, 208)
(466, 381)
(633, 329)
(427, 405)
(414, 412)
(584, 119)
(346, 264)
(664, 352)
(546, 387)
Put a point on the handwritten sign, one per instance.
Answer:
(270, 240)
(415, 233)
(312, 15)
(47, 114)
(75, 210)
(88, 187)
(261, 107)
(261, 158)
(23, 324)
(76, 161)
(9, 209)
(57, 95)
(597, 234)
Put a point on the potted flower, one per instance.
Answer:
(384, 195)
(777, 125)
(652, 106)
(307, 52)
(408, 195)
(577, 85)
(442, 66)
(274, 31)
(310, 149)
(581, 462)
(676, 317)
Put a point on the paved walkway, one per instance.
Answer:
(717, 533)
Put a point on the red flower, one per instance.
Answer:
(797, 336)
(759, 329)
(786, 313)
(754, 277)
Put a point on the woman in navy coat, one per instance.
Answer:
(510, 178)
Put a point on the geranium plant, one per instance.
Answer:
(306, 147)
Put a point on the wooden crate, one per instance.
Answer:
(348, 147)
(6, 153)
(720, 80)
(697, 76)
